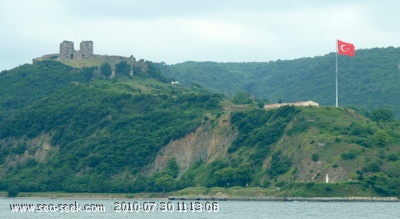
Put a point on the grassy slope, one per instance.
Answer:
(325, 131)
(343, 145)
(330, 134)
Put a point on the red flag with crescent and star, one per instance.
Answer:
(346, 49)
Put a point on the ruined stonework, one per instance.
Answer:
(86, 49)
(85, 57)
(67, 51)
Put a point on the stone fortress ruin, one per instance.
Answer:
(67, 51)
(84, 57)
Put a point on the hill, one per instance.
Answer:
(90, 126)
(74, 130)
(367, 81)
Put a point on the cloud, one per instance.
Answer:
(176, 31)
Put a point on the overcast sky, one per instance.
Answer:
(175, 31)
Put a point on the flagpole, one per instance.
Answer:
(337, 88)
(346, 49)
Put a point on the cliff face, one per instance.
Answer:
(23, 152)
(207, 143)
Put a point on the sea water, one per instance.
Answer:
(162, 208)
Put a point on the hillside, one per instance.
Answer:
(368, 80)
(74, 130)
(108, 126)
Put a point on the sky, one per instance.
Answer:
(175, 31)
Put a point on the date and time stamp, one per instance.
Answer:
(120, 207)
(180, 206)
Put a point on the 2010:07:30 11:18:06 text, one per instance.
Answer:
(166, 207)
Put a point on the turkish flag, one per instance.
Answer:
(346, 49)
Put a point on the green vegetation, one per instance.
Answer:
(64, 129)
(311, 189)
(315, 157)
(105, 130)
(22, 86)
(260, 129)
(106, 70)
(305, 79)
(242, 97)
(279, 165)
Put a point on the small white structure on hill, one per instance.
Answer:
(174, 82)
(303, 103)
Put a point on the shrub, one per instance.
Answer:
(380, 138)
(172, 168)
(315, 157)
(348, 156)
(281, 183)
(242, 97)
(309, 185)
(13, 190)
(393, 157)
(123, 67)
(279, 165)
(328, 189)
(373, 167)
(165, 183)
(265, 184)
(106, 70)
(384, 115)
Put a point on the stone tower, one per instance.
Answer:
(67, 50)
(86, 49)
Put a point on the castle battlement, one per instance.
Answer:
(67, 51)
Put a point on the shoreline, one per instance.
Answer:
(55, 195)
(287, 199)
(61, 195)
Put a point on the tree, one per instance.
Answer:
(172, 168)
(224, 177)
(315, 157)
(279, 165)
(123, 68)
(242, 97)
(88, 73)
(106, 69)
(378, 181)
(13, 190)
(380, 138)
(230, 176)
(165, 183)
(384, 115)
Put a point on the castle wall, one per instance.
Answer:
(67, 51)
(86, 49)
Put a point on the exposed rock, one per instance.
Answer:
(207, 143)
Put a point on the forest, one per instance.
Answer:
(367, 81)
(101, 127)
